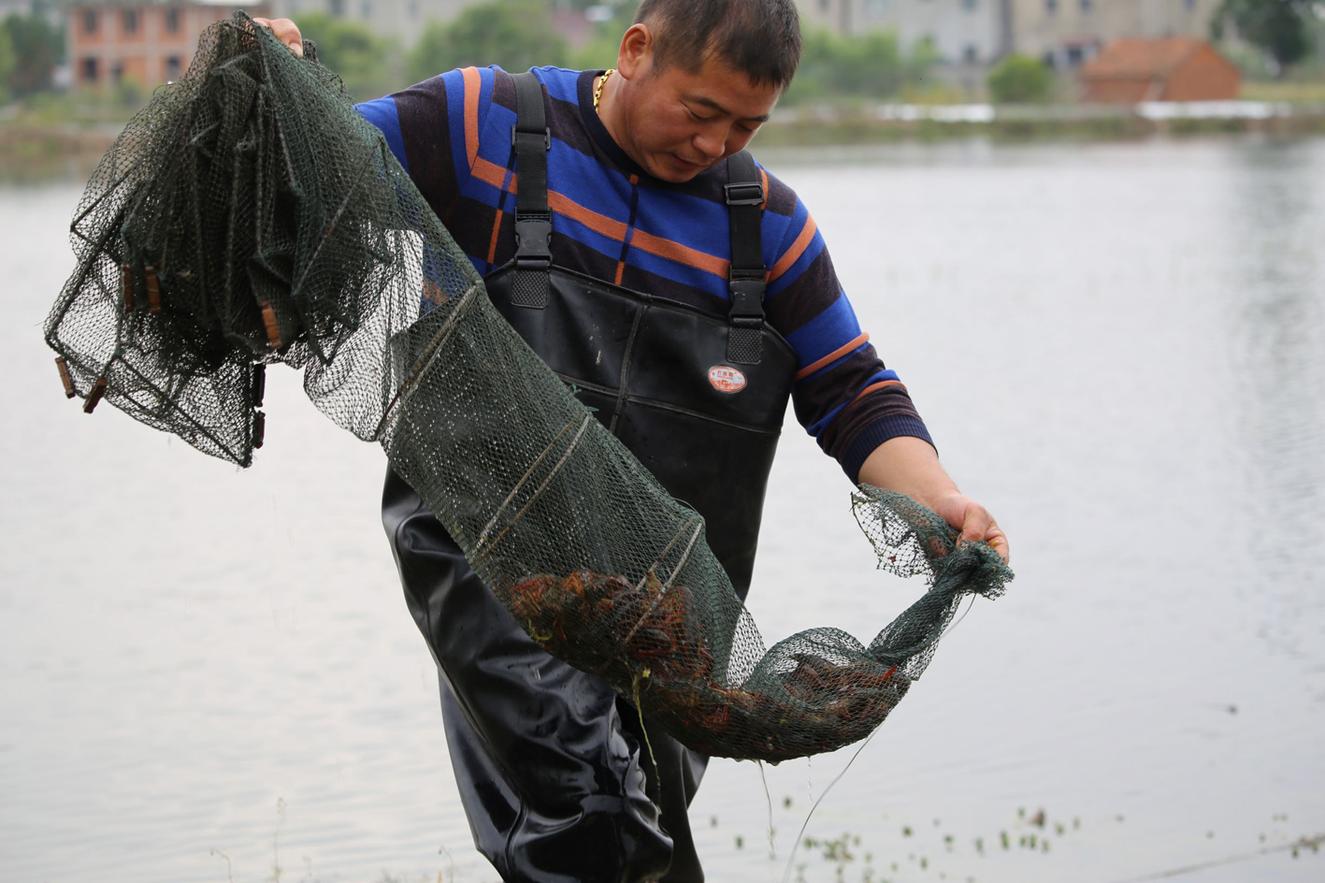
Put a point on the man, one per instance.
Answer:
(686, 294)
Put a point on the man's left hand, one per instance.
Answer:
(974, 522)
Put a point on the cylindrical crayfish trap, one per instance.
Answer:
(248, 216)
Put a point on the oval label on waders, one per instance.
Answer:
(725, 378)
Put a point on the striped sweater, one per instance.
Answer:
(612, 221)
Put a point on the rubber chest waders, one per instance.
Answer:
(550, 763)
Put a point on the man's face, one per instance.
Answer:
(679, 122)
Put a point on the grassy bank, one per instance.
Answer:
(1290, 91)
(62, 137)
(54, 136)
(39, 154)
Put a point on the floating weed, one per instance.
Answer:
(1033, 830)
(228, 870)
(837, 851)
(1312, 843)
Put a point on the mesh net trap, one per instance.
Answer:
(248, 216)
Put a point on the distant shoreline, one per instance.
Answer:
(43, 151)
(903, 122)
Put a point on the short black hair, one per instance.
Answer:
(760, 38)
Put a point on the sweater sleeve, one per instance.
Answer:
(844, 395)
(433, 129)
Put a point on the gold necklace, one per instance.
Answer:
(598, 89)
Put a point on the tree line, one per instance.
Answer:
(518, 34)
(30, 50)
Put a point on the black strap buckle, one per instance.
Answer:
(533, 241)
(516, 132)
(744, 193)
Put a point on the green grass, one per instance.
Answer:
(1312, 92)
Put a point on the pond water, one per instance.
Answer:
(210, 675)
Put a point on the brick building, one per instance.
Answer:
(142, 42)
(1175, 69)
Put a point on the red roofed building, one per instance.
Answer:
(1171, 69)
(146, 42)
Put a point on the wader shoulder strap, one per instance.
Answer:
(745, 199)
(533, 219)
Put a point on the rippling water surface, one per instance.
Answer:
(210, 674)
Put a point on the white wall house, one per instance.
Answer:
(964, 31)
(1064, 33)
(1067, 33)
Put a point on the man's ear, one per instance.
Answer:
(635, 57)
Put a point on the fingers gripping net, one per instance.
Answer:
(249, 216)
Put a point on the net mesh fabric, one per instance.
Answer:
(249, 216)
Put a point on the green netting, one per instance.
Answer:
(249, 216)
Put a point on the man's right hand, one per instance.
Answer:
(286, 31)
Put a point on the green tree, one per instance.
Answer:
(7, 63)
(919, 61)
(363, 60)
(1020, 79)
(38, 47)
(516, 34)
(1280, 28)
(872, 65)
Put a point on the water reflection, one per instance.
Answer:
(1276, 323)
(1119, 347)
